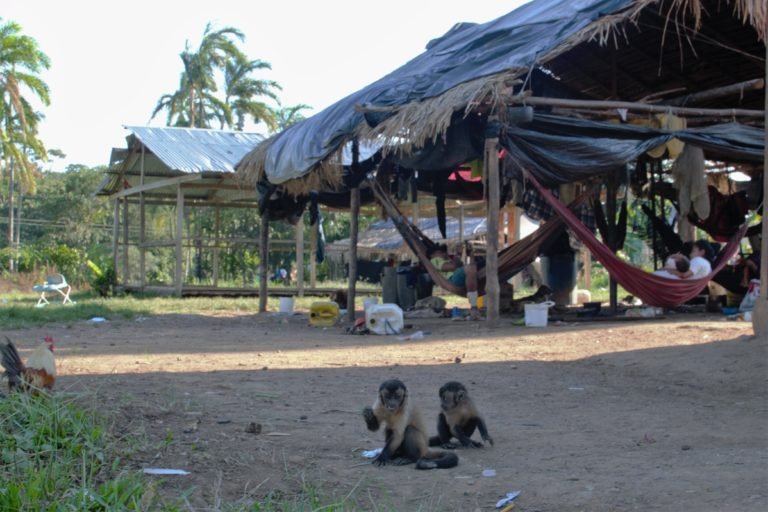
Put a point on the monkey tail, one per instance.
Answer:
(438, 460)
(12, 363)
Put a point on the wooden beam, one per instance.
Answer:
(717, 92)
(264, 262)
(169, 182)
(178, 279)
(642, 107)
(491, 167)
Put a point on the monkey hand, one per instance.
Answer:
(371, 421)
(382, 459)
(488, 439)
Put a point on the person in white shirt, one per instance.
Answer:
(702, 256)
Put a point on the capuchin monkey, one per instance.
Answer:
(459, 418)
(406, 440)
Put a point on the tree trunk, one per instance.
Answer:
(11, 184)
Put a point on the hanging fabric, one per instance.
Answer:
(651, 289)
(511, 260)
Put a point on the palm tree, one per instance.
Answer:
(241, 91)
(286, 116)
(20, 62)
(195, 102)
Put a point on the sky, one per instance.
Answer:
(111, 62)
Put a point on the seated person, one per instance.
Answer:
(750, 266)
(462, 276)
(675, 265)
(735, 278)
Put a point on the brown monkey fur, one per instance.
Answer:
(459, 418)
(406, 440)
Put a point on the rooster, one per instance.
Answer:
(37, 374)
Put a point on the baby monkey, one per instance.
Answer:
(459, 418)
(406, 440)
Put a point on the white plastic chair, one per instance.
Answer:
(54, 283)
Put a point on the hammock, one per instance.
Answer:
(511, 260)
(651, 289)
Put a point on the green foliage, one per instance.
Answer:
(21, 61)
(196, 104)
(102, 281)
(55, 456)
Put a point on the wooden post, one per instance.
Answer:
(461, 234)
(354, 206)
(179, 277)
(263, 262)
(115, 235)
(587, 261)
(760, 311)
(353, 232)
(515, 231)
(126, 273)
(313, 256)
(610, 206)
(300, 256)
(142, 229)
(491, 167)
(216, 235)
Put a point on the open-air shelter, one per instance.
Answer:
(561, 86)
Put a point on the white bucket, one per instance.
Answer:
(384, 319)
(369, 302)
(536, 315)
(286, 304)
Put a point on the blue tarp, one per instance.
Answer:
(468, 51)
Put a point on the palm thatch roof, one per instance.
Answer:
(633, 50)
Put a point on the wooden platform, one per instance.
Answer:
(210, 291)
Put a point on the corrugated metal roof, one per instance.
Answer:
(194, 150)
(382, 236)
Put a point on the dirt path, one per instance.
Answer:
(647, 415)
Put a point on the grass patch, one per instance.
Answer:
(56, 456)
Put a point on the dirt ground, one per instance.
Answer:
(664, 414)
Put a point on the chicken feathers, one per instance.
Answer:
(38, 373)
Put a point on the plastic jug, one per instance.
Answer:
(323, 314)
(384, 318)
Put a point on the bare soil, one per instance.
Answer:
(662, 414)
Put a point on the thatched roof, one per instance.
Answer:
(631, 50)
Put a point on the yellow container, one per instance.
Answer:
(323, 314)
